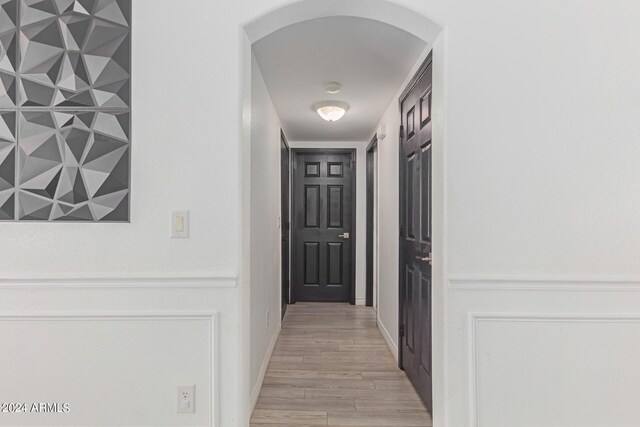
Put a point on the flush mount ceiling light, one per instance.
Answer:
(332, 87)
(331, 111)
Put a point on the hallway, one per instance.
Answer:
(331, 366)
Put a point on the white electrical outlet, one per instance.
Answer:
(187, 399)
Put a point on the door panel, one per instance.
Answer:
(312, 206)
(323, 229)
(312, 169)
(410, 326)
(335, 269)
(335, 214)
(311, 263)
(415, 235)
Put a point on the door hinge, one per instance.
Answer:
(401, 132)
(401, 331)
(401, 231)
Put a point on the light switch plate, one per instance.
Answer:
(187, 399)
(180, 224)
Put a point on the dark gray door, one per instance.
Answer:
(323, 197)
(285, 224)
(415, 235)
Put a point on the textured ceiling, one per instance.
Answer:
(369, 58)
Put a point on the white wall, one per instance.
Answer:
(184, 156)
(179, 151)
(537, 103)
(361, 206)
(265, 231)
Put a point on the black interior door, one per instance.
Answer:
(284, 219)
(323, 226)
(415, 235)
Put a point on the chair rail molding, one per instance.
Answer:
(170, 280)
(547, 283)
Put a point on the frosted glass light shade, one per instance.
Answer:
(331, 111)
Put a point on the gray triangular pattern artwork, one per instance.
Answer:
(31, 15)
(7, 20)
(111, 11)
(65, 110)
(7, 205)
(35, 57)
(8, 53)
(7, 90)
(80, 213)
(34, 208)
(42, 180)
(7, 167)
(94, 31)
(34, 167)
(72, 157)
(7, 128)
(109, 204)
(63, 5)
(94, 180)
(7, 163)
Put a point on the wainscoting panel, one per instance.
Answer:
(556, 370)
(111, 369)
(542, 352)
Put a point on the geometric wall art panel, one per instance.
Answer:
(65, 110)
(8, 52)
(74, 53)
(7, 165)
(73, 165)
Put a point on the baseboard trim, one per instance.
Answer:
(388, 340)
(126, 281)
(361, 301)
(255, 394)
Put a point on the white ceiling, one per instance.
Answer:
(369, 58)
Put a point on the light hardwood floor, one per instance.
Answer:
(332, 367)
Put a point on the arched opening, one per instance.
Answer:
(378, 10)
(302, 14)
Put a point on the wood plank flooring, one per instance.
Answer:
(331, 367)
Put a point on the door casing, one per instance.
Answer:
(285, 222)
(294, 237)
(371, 264)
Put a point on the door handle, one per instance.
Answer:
(344, 236)
(426, 259)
